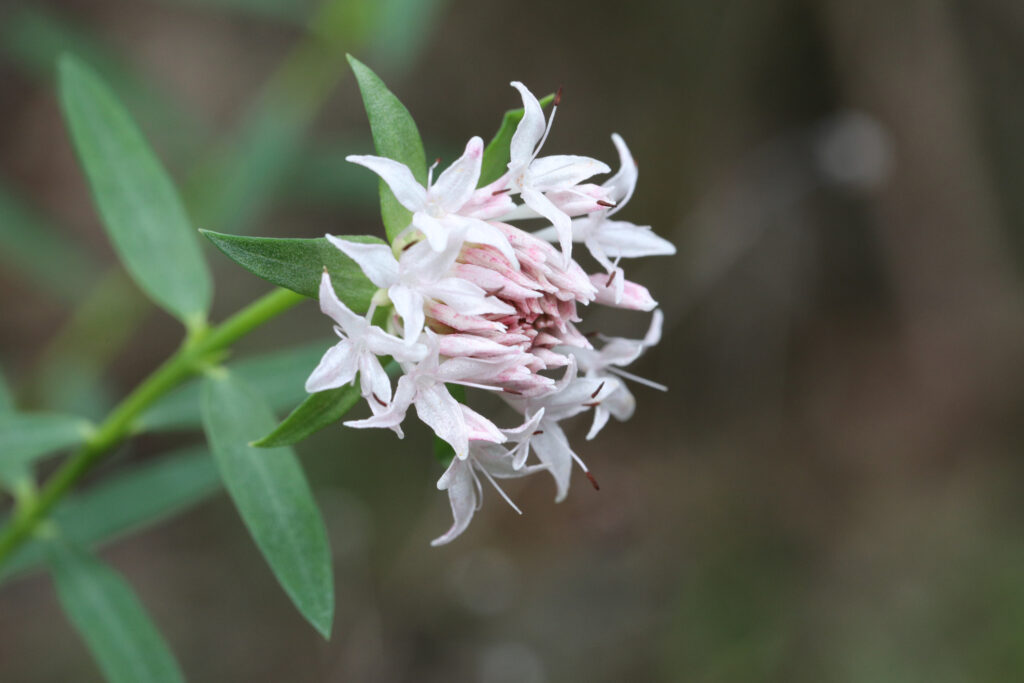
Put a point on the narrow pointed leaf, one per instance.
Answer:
(126, 503)
(318, 411)
(395, 136)
(298, 264)
(279, 377)
(24, 437)
(496, 153)
(113, 623)
(140, 207)
(271, 494)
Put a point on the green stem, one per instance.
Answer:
(190, 358)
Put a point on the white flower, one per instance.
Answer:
(361, 343)
(436, 207)
(607, 239)
(421, 274)
(423, 386)
(607, 364)
(465, 492)
(533, 177)
(572, 395)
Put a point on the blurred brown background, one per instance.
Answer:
(830, 491)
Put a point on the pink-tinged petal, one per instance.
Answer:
(456, 185)
(581, 199)
(399, 178)
(495, 282)
(466, 297)
(408, 304)
(435, 232)
(481, 232)
(562, 171)
(563, 224)
(634, 297)
(438, 410)
(490, 201)
(376, 260)
(337, 368)
(463, 494)
(529, 131)
(623, 182)
(552, 448)
(332, 306)
(449, 317)
(464, 345)
(479, 428)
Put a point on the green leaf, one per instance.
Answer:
(271, 494)
(395, 136)
(318, 411)
(140, 207)
(25, 437)
(298, 264)
(279, 377)
(108, 615)
(496, 154)
(127, 502)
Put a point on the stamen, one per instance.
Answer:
(497, 192)
(611, 278)
(512, 391)
(378, 399)
(558, 97)
(640, 380)
(539, 431)
(407, 246)
(598, 390)
(498, 488)
(547, 129)
(602, 202)
(430, 172)
(592, 404)
(592, 480)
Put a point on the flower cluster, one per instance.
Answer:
(480, 303)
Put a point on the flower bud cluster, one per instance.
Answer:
(479, 302)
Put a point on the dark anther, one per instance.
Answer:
(592, 404)
(604, 203)
(512, 391)
(497, 192)
(539, 431)
(592, 481)
(558, 97)
(598, 390)
(408, 245)
(611, 278)
(377, 399)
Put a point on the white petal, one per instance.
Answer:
(337, 368)
(482, 232)
(442, 413)
(394, 414)
(373, 381)
(376, 260)
(383, 344)
(623, 182)
(408, 304)
(627, 240)
(330, 304)
(479, 428)
(456, 185)
(399, 178)
(563, 224)
(529, 131)
(435, 232)
(553, 450)
(562, 171)
(601, 415)
(462, 495)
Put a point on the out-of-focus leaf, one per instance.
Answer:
(34, 37)
(292, 11)
(318, 411)
(6, 396)
(497, 154)
(31, 245)
(395, 136)
(24, 437)
(71, 369)
(126, 503)
(298, 264)
(403, 28)
(113, 623)
(271, 493)
(140, 207)
(279, 377)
